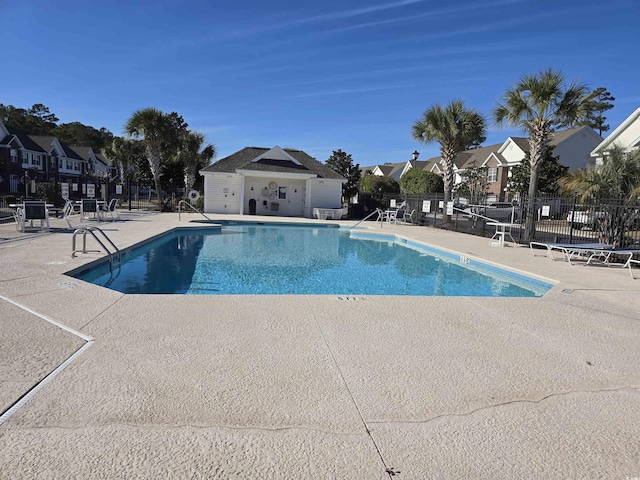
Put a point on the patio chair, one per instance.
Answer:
(89, 207)
(110, 209)
(320, 213)
(34, 211)
(408, 218)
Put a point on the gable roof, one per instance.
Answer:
(467, 158)
(26, 141)
(102, 159)
(556, 138)
(480, 155)
(635, 115)
(46, 142)
(521, 142)
(82, 152)
(245, 159)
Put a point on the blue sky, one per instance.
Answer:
(318, 76)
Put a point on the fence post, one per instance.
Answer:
(573, 214)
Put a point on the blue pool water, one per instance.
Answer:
(280, 259)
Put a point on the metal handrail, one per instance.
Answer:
(365, 218)
(192, 208)
(90, 230)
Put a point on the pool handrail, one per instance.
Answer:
(192, 208)
(375, 212)
(91, 230)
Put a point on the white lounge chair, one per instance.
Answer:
(569, 250)
(606, 256)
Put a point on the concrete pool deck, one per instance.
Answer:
(316, 386)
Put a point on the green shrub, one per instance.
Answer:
(50, 193)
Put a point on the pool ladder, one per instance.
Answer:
(91, 231)
(181, 202)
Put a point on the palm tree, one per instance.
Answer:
(194, 156)
(539, 104)
(455, 128)
(157, 132)
(123, 153)
(617, 180)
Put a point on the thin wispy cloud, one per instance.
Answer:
(352, 90)
(378, 73)
(356, 12)
(431, 13)
(326, 17)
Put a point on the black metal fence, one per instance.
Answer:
(133, 198)
(557, 219)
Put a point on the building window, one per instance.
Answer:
(14, 156)
(69, 165)
(25, 158)
(492, 174)
(35, 159)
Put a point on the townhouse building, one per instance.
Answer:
(26, 160)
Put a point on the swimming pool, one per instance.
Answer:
(295, 259)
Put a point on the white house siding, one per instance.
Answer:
(513, 153)
(296, 198)
(575, 151)
(322, 193)
(222, 193)
(287, 199)
(629, 136)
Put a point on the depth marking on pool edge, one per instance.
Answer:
(350, 298)
(42, 383)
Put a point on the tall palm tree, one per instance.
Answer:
(123, 153)
(616, 180)
(540, 104)
(194, 155)
(454, 127)
(156, 130)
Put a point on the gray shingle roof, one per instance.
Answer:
(243, 160)
(46, 141)
(83, 152)
(468, 157)
(556, 138)
(477, 156)
(27, 142)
